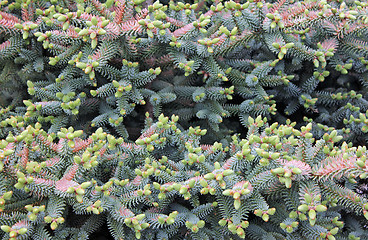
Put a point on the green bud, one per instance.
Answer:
(303, 208)
(312, 214)
(80, 191)
(22, 231)
(170, 220)
(5, 228)
(200, 223)
(209, 176)
(222, 222)
(321, 208)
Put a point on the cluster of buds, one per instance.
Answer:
(193, 154)
(282, 49)
(156, 6)
(44, 38)
(227, 92)
(169, 219)
(330, 234)
(48, 13)
(339, 96)
(95, 28)
(33, 211)
(154, 167)
(14, 233)
(87, 68)
(202, 22)
(14, 121)
(5, 152)
(222, 77)
(301, 32)
(154, 26)
(67, 103)
(265, 214)
(362, 59)
(25, 135)
(116, 120)
(112, 141)
(79, 191)
(3, 198)
(163, 189)
(208, 43)
(26, 28)
(338, 223)
(99, 136)
(332, 138)
(136, 224)
(307, 100)
(168, 187)
(69, 134)
(146, 191)
(206, 188)
(361, 120)
(163, 122)
(320, 57)
(54, 221)
(90, 155)
(235, 229)
(240, 189)
(362, 160)
(96, 207)
(199, 95)
(119, 88)
(147, 141)
(87, 160)
(194, 158)
(353, 95)
(289, 225)
(155, 71)
(34, 167)
(349, 15)
(181, 6)
(285, 175)
(352, 107)
(183, 189)
(105, 189)
(343, 68)
(311, 207)
(64, 18)
(175, 42)
(31, 89)
(235, 6)
(258, 122)
(321, 75)
(187, 67)
(266, 156)
(122, 182)
(218, 174)
(137, 4)
(245, 153)
(23, 181)
(195, 226)
(217, 8)
(276, 20)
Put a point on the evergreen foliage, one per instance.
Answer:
(85, 86)
(278, 182)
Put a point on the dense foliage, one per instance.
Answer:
(85, 87)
